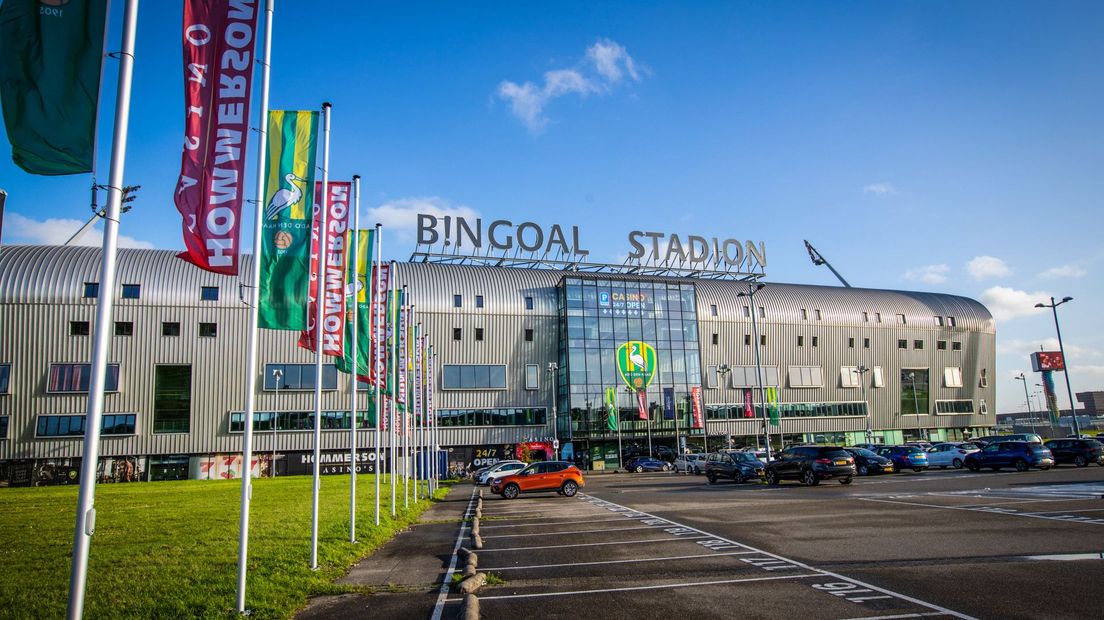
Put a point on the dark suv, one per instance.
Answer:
(1080, 452)
(1019, 454)
(811, 464)
(733, 465)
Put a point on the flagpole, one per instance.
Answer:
(319, 315)
(416, 403)
(375, 361)
(353, 380)
(406, 399)
(251, 356)
(394, 385)
(86, 511)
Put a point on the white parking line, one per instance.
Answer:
(918, 615)
(1011, 512)
(638, 588)
(489, 527)
(599, 544)
(1045, 512)
(442, 594)
(630, 561)
(575, 532)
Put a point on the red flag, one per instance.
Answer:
(332, 264)
(749, 411)
(695, 400)
(219, 41)
(378, 369)
(642, 404)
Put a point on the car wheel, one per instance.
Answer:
(973, 466)
(666, 468)
(863, 471)
(957, 463)
(846, 480)
(697, 470)
(896, 468)
(809, 478)
(1021, 465)
(772, 478)
(737, 477)
(712, 477)
(996, 468)
(569, 488)
(511, 491)
(639, 469)
(917, 469)
(942, 467)
(1080, 461)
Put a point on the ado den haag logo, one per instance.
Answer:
(636, 361)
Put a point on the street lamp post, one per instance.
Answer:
(552, 368)
(723, 371)
(1053, 305)
(753, 288)
(1030, 413)
(915, 403)
(279, 375)
(862, 370)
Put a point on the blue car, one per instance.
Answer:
(905, 457)
(646, 463)
(1019, 454)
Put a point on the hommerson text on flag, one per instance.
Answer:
(219, 40)
(286, 231)
(327, 269)
(381, 282)
(50, 61)
(696, 407)
(359, 295)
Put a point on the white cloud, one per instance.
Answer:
(883, 188)
(930, 274)
(19, 229)
(606, 64)
(982, 267)
(1008, 303)
(401, 216)
(1063, 271)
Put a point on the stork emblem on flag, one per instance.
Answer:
(636, 361)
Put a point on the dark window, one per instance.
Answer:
(208, 330)
(528, 335)
(299, 420)
(478, 301)
(902, 344)
(747, 340)
(124, 328)
(941, 345)
(801, 341)
(473, 377)
(716, 339)
(132, 291)
(170, 329)
(527, 416)
(208, 293)
(956, 346)
(479, 334)
(457, 301)
(866, 343)
(954, 406)
(918, 344)
(528, 303)
(5, 375)
(951, 322)
(713, 309)
(914, 391)
(816, 340)
(456, 333)
(763, 339)
(73, 425)
(298, 377)
(172, 398)
(74, 378)
(91, 289)
(3, 427)
(78, 328)
(850, 343)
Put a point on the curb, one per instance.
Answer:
(471, 608)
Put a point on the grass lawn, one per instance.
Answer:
(170, 549)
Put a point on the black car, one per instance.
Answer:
(1080, 452)
(866, 462)
(733, 465)
(1019, 454)
(811, 464)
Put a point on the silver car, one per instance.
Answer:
(499, 469)
(691, 463)
(950, 454)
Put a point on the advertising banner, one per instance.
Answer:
(1047, 360)
(636, 362)
(334, 462)
(749, 410)
(360, 296)
(417, 401)
(669, 403)
(328, 267)
(404, 321)
(430, 388)
(219, 40)
(642, 404)
(696, 406)
(611, 409)
(379, 318)
(772, 402)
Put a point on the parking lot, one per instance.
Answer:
(936, 544)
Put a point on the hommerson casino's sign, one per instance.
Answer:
(464, 237)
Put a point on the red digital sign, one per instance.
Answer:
(1047, 360)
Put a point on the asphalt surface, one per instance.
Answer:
(935, 544)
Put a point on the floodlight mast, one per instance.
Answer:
(818, 259)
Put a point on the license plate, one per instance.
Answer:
(761, 474)
(888, 468)
(841, 462)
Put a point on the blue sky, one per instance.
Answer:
(943, 146)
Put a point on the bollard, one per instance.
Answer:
(473, 583)
(471, 607)
(477, 541)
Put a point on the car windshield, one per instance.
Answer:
(914, 450)
(743, 457)
(834, 453)
(1039, 448)
(968, 446)
(863, 452)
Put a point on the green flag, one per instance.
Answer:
(772, 401)
(49, 82)
(360, 272)
(611, 409)
(286, 237)
(394, 305)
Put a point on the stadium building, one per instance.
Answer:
(525, 356)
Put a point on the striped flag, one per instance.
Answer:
(772, 402)
(359, 300)
(611, 409)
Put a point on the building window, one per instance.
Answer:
(456, 333)
(532, 377)
(280, 377)
(984, 381)
(73, 425)
(124, 328)
(528, 335)
(816, 313)
(711, 377)
(866, 343)
(208, 330)
(941, 345)
(744, 376)
(804, 314)
(945, 407)
(208, 293)
(952, 377)
(877, 317)
(3, 427)
(901, 319)
(762, 312)
(91, 290)
(806, 376)
(299, 421)
(528, 303)
(511, 416)
(956, 346)
(747, 312)
(170, 329)
(801, 341)
(918, 344)
(74, 378)
(983, 409)
(850, 343)
(866, 317)
(902, 344)
(457, 301)
(849, 377)
(712, 309)
(951, 322)
(479, 334)
(816, 340)
(716, 339)
(747, 340)
(879, 377)
(914, 391)
(132, 291)
(762, 340)
(473, 377)
(939, 321)
(78, 328)
(478, 301)
(5, 376)
(172, 398)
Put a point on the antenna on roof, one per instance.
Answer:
(818, 259)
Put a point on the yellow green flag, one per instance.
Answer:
(360, 301)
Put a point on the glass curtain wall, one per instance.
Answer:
(599, 315)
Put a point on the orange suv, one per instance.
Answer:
(559, 476)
